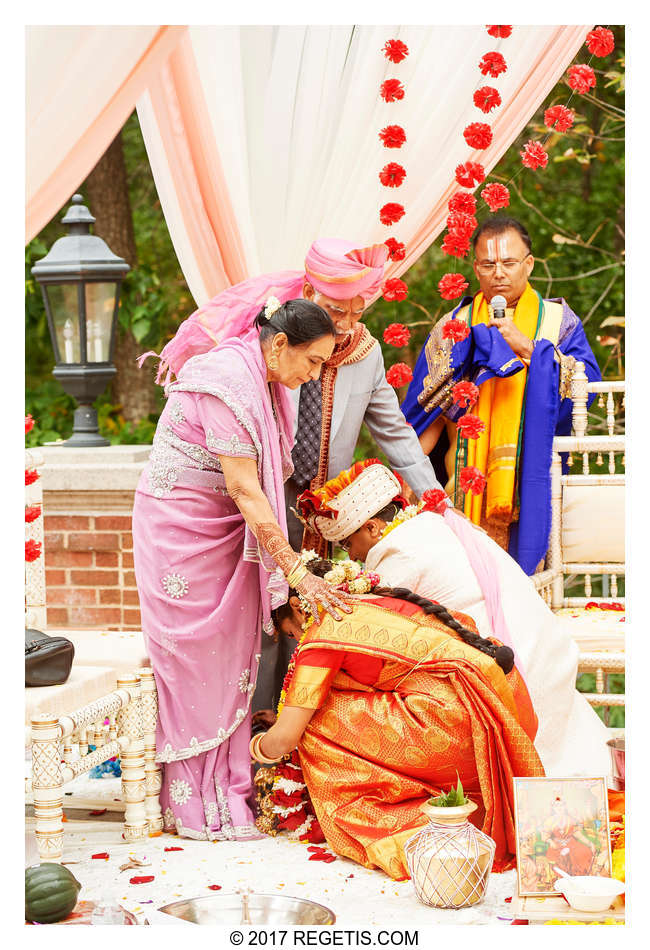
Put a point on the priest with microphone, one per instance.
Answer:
(519, 351)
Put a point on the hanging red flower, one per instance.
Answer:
(451, 286)
(32, 512)
(29, 423)
(30, 476)
(534, 155)
(100, 856)
(470, 427)
(472, 479)
(496, 196)
(391, 90)
(213, 887)
(600, 42)
(32, 550)
(392, 175)
(394, 289)
(396, 334)
(478, 134)
(436, 500)
(395, 50)
(462, 201)
(455, 244)
(396, 250)
(469, 174)
(456, 330)
(581, 78)
(141, 879)
(391, 213)
(500, 32)
(399, 374)
(559, 117)
(464, 224)
(487, 98)
(464, 394)
(392, 136)
(492, 64)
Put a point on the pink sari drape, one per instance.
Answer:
(205, 588)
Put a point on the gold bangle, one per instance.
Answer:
(256, 750)
(297, 573)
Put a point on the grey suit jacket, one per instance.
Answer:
(361, 394)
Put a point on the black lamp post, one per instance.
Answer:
(80, 278)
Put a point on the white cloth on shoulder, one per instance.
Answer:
(424, 555)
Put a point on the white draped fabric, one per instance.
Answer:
(263, 138)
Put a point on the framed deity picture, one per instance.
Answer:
(560, 823)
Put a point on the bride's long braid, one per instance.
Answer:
(503, 655)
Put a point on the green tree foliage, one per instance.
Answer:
(154, 300)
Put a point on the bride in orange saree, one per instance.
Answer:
(387, 708)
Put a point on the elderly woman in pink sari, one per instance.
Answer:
(211, 555)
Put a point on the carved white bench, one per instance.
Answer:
(588, 533)
(60, 741)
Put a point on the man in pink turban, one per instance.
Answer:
(341, 277)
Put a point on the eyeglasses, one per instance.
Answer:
(489, 267)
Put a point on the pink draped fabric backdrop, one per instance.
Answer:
(263, 138)
(82, 83)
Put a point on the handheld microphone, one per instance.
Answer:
(499, 305)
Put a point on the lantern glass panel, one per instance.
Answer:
(100, 304)
(64, 309)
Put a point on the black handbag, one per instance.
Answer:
(48, 660)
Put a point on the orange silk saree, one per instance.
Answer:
(389, 735)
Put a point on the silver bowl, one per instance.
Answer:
(617, 755)
(263, 910)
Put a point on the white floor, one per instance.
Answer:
(358, 897)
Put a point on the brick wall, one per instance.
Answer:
(89, 571)
(88, 499)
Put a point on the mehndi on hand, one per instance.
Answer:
(317, 591)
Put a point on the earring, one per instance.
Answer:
(273, 362)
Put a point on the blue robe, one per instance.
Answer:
(483, 355)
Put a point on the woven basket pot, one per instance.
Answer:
(449, 859)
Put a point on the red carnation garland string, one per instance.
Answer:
(397, 334)
(558, 118)
(391, 213)
(496, 196)
(395, 289)
(399, 374)
(33, 548)
(392, 175)
(487, 98)
(451, 286)
(396, 250)
(461, 222)
(465, 394)
(391, 90)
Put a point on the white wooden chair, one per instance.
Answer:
(588, 534)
